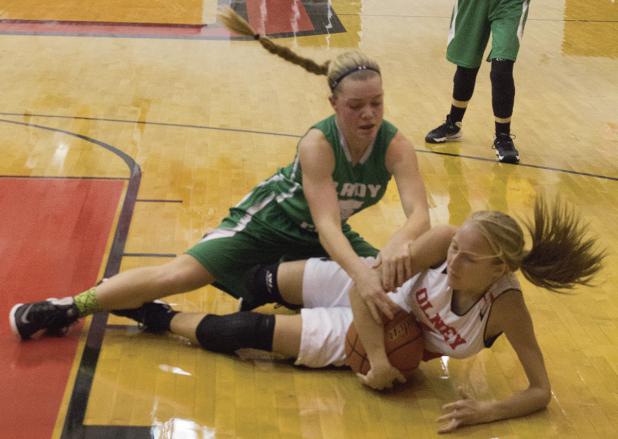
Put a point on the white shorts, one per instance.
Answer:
(326, 313)
(326, 284)
(322, 341)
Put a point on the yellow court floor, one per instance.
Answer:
(201, 118)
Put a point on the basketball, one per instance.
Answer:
(403, 341)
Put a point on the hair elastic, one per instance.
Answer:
(335, 82)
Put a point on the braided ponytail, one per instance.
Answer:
(236, 23)
(354, 64)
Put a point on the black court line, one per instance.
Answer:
(149, 255)
(297, 136)
(148, 200)
(141, 122)
(521, 165)
(74, 421)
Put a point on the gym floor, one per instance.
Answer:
(128, 130)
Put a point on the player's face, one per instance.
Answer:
(472, 264)
(359, 105)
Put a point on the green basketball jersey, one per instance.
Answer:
(273, 221)
(358, 186)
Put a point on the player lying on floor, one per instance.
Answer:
(463, 292)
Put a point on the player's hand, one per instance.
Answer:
(466, 411)
(394, 264)
(381, 377)
(370, 290)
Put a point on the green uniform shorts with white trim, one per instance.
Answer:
(472, 22)
(244, 240)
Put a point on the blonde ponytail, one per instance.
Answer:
(561, 255)
(353, 63)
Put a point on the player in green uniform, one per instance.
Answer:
(471, 24)
(343, 164)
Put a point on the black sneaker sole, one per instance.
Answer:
(13, 324)
(510, 160)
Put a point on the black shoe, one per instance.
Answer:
(54, 316)
(152, 316)
(447, 132)
(505, 149)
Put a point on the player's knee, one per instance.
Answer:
(231, 332)
(502, 73)
(463, 83)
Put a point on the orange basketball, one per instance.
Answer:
(403, 341)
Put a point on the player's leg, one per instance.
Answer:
(316, 282)
(222, 254)
(468, 36)
(129, 289)
(279, 282)
(507, 25)
(315, 337)
(242, 330)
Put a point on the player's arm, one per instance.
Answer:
(514, 320)
(371, 333)
(401, 162)
(318, 162)
(430, 249)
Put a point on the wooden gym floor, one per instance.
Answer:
(129, 129)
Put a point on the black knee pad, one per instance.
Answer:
(263, 288)
(231, 332)
(502, 87)
(463, 83)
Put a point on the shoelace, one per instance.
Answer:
(505, 143)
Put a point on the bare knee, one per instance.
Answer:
(290, 281)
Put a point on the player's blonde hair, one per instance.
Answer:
(354, 63)
(561, 255)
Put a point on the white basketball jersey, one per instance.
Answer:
(445, 332)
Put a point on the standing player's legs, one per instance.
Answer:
(507, 25)
(468, 36)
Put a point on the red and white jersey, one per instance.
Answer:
(429, 297)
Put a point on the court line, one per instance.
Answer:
(148, 200)
(73, 425)
(296, 136)
(522, 165)
(141, 122)
(150, 255)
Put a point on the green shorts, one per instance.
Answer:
(472, 22)
(244, 240)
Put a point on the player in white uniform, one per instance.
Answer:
(463, 290)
